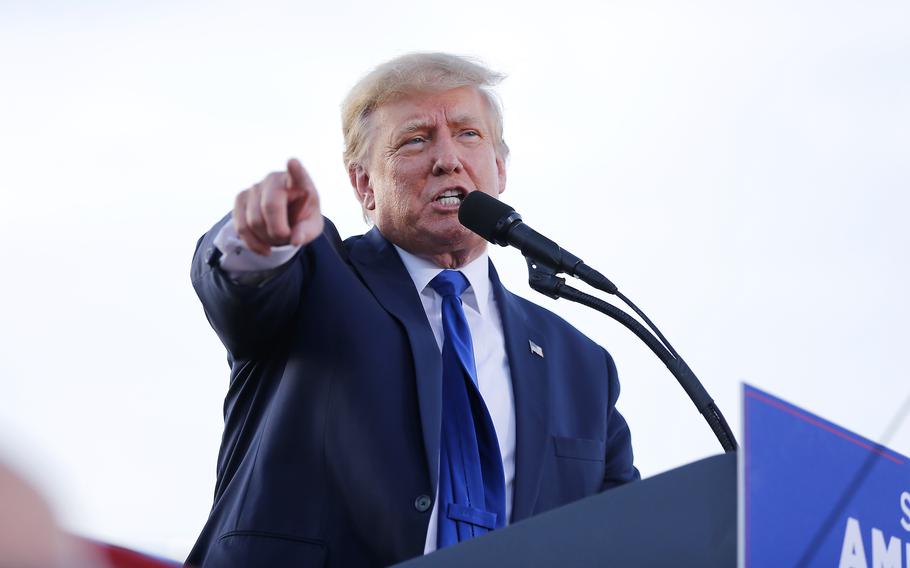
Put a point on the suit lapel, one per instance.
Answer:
(382, 271)
(531, 389)
(377, 262)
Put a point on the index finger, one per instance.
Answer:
(299, 178)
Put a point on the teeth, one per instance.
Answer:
(450, 197)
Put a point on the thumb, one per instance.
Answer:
(305, 218)
(307, 230)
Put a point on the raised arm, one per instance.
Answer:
(248, 305)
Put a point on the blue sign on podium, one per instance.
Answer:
(815, 494)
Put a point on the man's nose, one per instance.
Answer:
(446, 159)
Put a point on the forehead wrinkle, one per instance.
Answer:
(458, 116)
(454, 115)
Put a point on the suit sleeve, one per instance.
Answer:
(619, 467)
(247, 318)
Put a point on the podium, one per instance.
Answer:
(686, 516)
(811, 493)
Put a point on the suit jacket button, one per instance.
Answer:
(423, 503)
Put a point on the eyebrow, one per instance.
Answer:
(415, 125)
(463, 119)
(418, 124)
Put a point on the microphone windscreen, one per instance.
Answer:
(482, 214)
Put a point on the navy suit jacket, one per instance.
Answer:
(332, 419)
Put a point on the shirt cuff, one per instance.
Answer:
(238, 260)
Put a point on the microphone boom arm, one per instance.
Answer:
(542, 278)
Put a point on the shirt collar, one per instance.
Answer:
(477, 272)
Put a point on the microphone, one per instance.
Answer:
(500, 224)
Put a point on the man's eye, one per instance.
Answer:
(470, 133)
(416, 140)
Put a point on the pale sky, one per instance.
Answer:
(740, 170)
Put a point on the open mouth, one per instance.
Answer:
(451, 197)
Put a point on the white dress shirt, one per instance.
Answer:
(490, 359)
(492, 363)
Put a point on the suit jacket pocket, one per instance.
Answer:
(242, 549)
(579, 448)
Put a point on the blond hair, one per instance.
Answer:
(408, 74)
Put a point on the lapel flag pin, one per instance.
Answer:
(535, 349)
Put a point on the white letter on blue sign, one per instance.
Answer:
(852, 554)
(885, 557)
(905, 507)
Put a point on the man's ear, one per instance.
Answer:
(360, 181)
(501, 170)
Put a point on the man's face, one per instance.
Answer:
(427, 152)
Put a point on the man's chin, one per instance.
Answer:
(452, 240)
(459, 238)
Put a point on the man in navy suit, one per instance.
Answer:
(331, 454)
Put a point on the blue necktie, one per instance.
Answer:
(471, 481)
